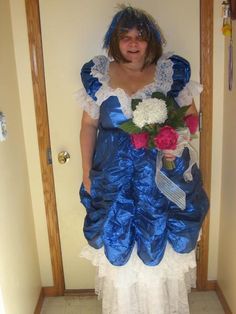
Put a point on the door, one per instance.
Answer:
(72, 33)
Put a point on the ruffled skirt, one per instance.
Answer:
(136, 288)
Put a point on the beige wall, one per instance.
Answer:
(20, 282)
(227, 246)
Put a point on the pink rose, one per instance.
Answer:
(140, 140)
(167, 138)
(191, 122)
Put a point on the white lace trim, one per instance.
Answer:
(164, 73)
(139, 289)
(100, 71)
(87, 103)
(162, 82)
(186, 96)
(100, 68)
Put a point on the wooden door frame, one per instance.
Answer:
(39, 88)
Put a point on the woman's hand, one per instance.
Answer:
(169, 156)
(87, 184)
(88, 135)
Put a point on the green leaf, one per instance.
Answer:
(151, 143)
(134, 103)
(183, 110)
(170, 102)
(129, 127)
(151, 128)
(159, 95)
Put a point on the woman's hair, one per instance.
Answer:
(126, 19)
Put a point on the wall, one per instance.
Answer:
(20, 282)
(227, 247)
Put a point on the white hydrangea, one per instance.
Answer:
(149, 111)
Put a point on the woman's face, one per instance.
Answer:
(132, 46)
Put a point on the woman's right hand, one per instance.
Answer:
(87, 184)
(88, 136)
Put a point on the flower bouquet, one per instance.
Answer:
(157, 123)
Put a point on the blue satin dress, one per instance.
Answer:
(125, 207)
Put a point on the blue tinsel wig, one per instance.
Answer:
(130, 17)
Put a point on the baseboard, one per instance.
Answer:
(45, 292)
(39, 303)
(80, 292)
(50, 292)
(211, 285)
(223, 300)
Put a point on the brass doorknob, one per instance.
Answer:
(63, 157)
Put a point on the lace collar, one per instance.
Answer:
(163, 80)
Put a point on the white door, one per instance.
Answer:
(72, 32)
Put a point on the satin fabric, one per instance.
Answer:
(125, 206)
(181, 75)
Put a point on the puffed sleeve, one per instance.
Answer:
(91, 83)
(92, 74)
(181, 74)
(183, 89)
(87, 103)
(173, 79)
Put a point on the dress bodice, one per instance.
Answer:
(113, 106)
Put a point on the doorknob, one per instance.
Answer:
(63, 157)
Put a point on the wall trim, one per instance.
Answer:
(222, 299)
(211, 285)
(206, 105)
(206, 100)
(40, 101)
(51, 291)
(39, 304)
(80, 292)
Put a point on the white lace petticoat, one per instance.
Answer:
(136, 288)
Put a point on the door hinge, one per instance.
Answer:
(198, 252)
(49, 156)
(200, 121)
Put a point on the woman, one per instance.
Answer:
(142, 242)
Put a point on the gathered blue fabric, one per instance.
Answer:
(125, 207)
(181, 75)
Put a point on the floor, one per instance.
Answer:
(200, 303)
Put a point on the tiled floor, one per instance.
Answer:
(200, 303)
